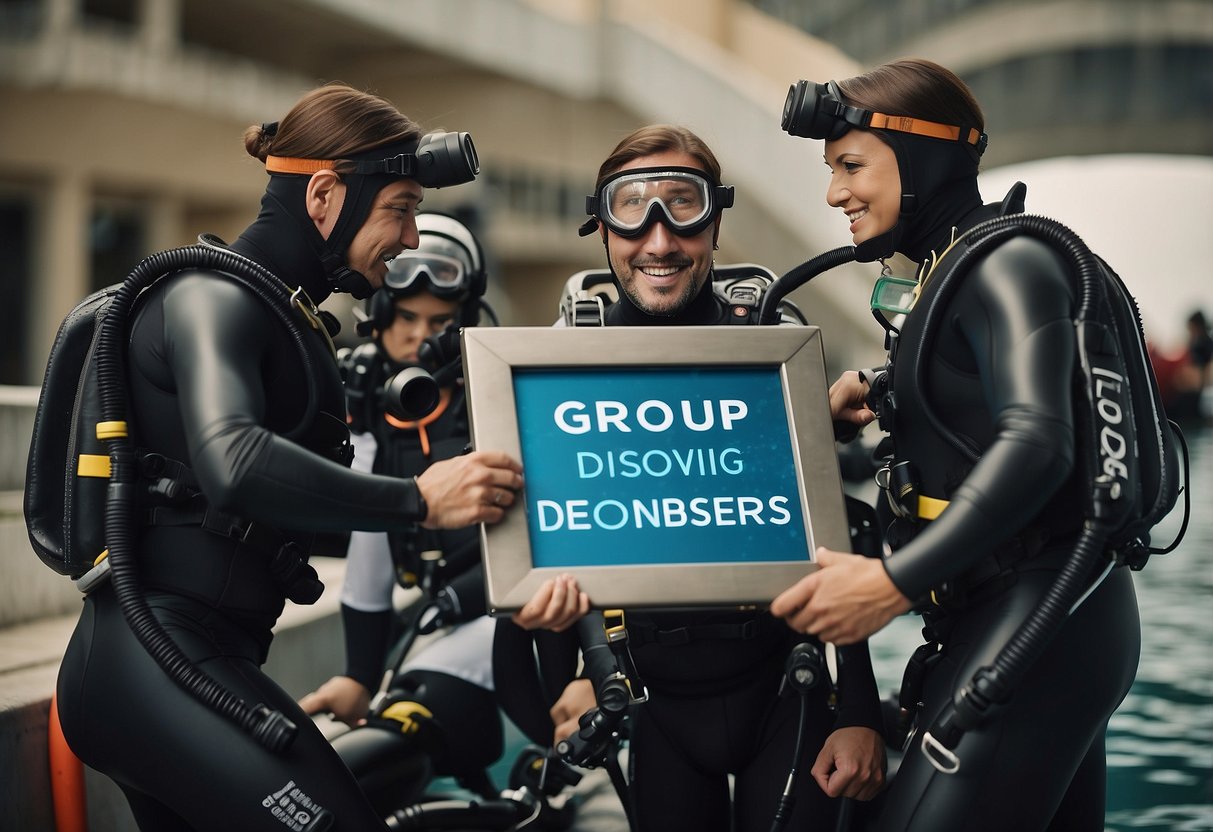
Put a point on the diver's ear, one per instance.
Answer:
(716, 232)
(324, 197)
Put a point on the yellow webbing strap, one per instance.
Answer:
(93, 465)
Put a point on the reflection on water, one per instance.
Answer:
(1160, 741)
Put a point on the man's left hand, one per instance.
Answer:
(851, 764)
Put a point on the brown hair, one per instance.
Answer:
(915, 87)
(334, 121)
(659, 138)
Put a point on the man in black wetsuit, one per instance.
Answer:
(984, 524)
(216, 384)
(713, 677)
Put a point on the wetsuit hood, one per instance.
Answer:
(286, 193)
(938, 188)
(286, 242)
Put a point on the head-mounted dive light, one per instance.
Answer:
(438, 160)
(817, 111)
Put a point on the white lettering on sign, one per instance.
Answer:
(653, 415)
(657, 513)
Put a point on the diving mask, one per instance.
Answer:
(685, 200)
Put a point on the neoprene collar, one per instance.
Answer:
(703, 310)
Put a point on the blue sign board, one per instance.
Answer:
(658, 465)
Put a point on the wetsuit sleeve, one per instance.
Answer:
(366, 643)
(1014, 311)
(215, 337)
(858, 695)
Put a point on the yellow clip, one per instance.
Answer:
(111, 430)
(93, 465)
(408, 714)
(614, 631)
(105, 553)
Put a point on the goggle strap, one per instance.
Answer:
(288, 164)
(922, 127)
(400, 165)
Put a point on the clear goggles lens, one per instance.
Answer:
(446, 275)
(684, 198)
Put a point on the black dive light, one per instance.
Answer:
(441, 159)
(816, 111)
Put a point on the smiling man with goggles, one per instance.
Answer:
(685, 200)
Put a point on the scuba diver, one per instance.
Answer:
(428, 293)
(713, 677)
(982, 528)
(216, 390)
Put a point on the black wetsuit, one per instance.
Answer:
(214, 382)
(999, 373)
(713, 679)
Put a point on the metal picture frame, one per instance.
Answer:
(494, 356)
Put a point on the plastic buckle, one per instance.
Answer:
(615, 626)
(96, 576)
(946, 762)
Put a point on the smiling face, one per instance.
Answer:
(389, 229)
(864, 182)
(659, 271)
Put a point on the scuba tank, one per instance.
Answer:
(1129, 453)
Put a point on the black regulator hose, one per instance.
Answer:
(271, 729)
(768, 312)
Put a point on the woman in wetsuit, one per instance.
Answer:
(215, 382)
(903, 144)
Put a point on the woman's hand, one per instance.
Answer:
(848, 599)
